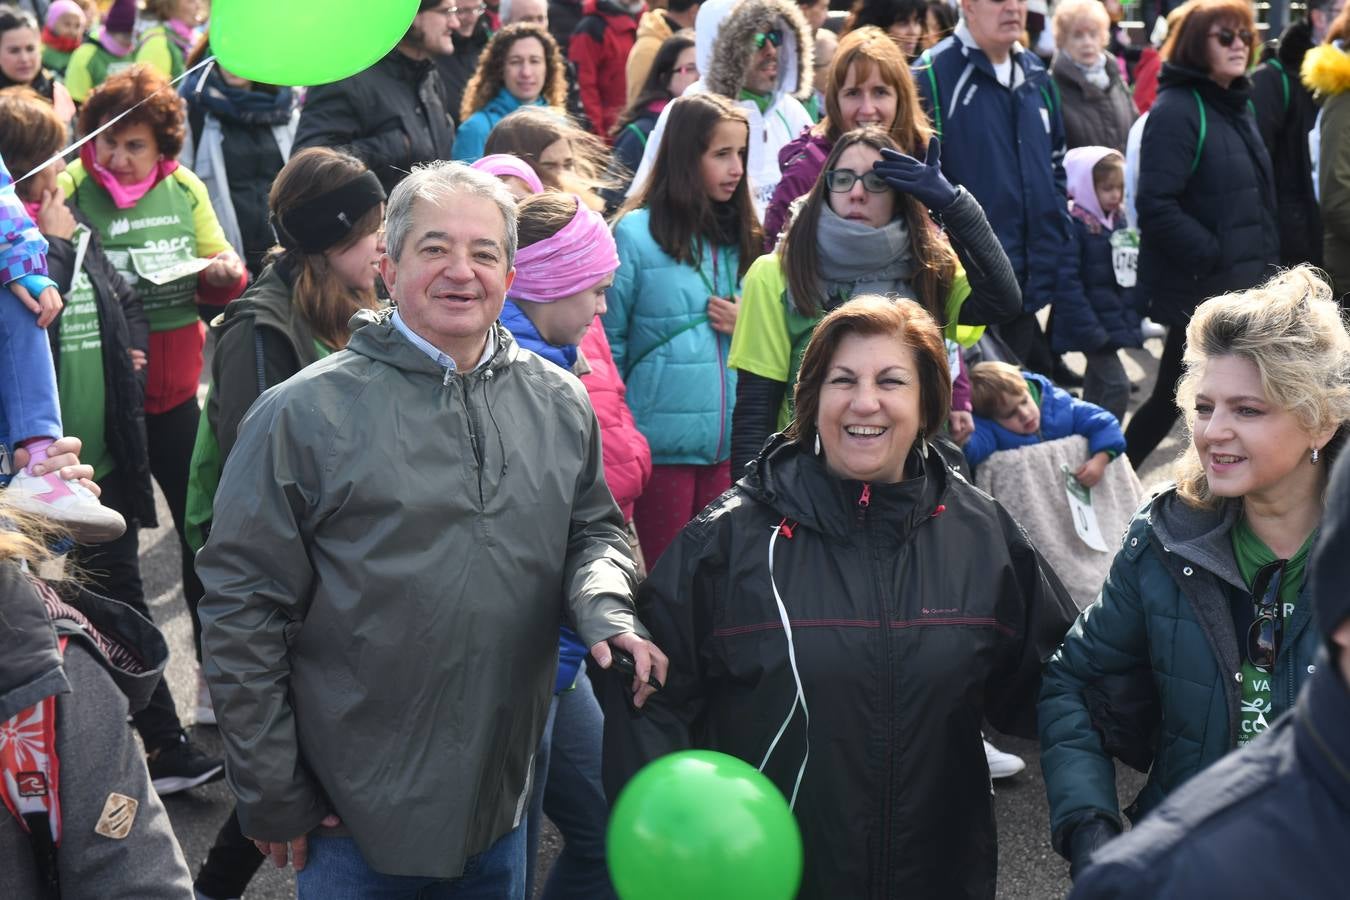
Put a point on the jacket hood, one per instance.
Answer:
(1198, 534)
(1078, 164)
(653, 24)
(724, 40)
(1235, 96)
(375, 337)
(1326, 70)
(267, 301)
(798, 486)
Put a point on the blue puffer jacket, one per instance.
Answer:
(1062, 415)
(1165, 609)
(473, 134)
(1024, 196)
(674, 363)
(1106, 314)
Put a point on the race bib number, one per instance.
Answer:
(1125, 256)
(1080, 509)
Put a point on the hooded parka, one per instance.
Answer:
(903, 647)
(393, 548)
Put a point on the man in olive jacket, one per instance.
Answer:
(396, 536)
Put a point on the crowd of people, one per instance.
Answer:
(593, 381)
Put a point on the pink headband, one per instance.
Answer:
(500, 164)
(574, 259)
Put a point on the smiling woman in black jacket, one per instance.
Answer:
(1206, 192)
(830, 599)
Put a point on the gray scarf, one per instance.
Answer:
(1095, 74)
(856, 258)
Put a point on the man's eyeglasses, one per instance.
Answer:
(841, 181)
(1226, 36)
(772, 36)
(450, 12)
(1263, 637)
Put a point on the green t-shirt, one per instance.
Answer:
(1251, 554)
(80, 382)
(771, 335)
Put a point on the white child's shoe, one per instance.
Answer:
(68, 504)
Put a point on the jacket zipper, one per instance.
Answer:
(473, 432)
(722, 414)
(864, 502)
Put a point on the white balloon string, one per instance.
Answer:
(204, 64)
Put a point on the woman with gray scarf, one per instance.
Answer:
(863, 230)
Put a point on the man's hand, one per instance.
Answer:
(647, 658)
(298, 847)
(722, 314)
(961, 424)
(63, 456)
(1090, 472)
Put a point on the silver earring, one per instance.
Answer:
(817, 443)
(1315, 456)
(923, 444)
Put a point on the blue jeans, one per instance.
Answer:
(29, 405)
(567, 787)
(336, 870)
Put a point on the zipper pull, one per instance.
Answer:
(864, 500)
(445, 382)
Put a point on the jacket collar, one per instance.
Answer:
(1322, 726)
(1021, 69)
(1199, 535)
(375, 337)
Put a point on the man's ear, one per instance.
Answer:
(388, 273)
(510, 277)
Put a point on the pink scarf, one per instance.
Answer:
(574, 259)
(182, 33)
(124, 196)
(111, 44)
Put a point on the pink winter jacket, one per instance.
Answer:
(628, 459)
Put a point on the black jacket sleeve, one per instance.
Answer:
(248, 361)
(1166, 155)
(333, 117)
(1268, 103)
(758, 400)
(60, 262)
(995, 296)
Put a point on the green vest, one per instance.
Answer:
(102, 64)
(144, 242)
(177, 62)
(80, 380)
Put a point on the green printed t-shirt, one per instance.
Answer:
(771, 335)
(1251, 554)
(172, 224)
(80, 385)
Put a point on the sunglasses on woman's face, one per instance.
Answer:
(1226, 36)
(1263, 637)
(773, 36)
(841, 181)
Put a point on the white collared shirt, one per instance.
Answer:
(442, 359)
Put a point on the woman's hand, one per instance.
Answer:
(54, 218)
(1090, 472)
(64, 456)
(137, 359)
(225, 269)
(923, 181)
(961, 425)
(46, 307)
(722, 314)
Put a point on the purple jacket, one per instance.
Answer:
(801, 161)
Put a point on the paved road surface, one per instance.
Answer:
(1028, 868)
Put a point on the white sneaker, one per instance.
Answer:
(1149, 329)
(1002, 765)
(68, 504)
(206, 712)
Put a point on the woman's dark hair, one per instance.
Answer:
(11, 18)
(885, 13)
(681, 213)
(163, 111)
(488, 80)
(325, 302)
(869, 48)
(1187, 43)
(869, 315)
(945, 14)
(541, 216)
(799, 250)
(657, 85)
(30, 132)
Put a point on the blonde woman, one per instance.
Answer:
(1205, 600)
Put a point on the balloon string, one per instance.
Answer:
(210, 60)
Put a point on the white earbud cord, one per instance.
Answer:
(796, 677)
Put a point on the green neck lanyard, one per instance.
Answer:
(711, 284)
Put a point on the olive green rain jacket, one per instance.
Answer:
(393, 550)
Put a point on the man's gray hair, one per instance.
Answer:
(437, 182)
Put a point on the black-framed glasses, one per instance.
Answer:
(1226, 36)
(772, 36)
(841, 181)
(1263, 637)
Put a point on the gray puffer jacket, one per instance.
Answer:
(116, 839)
(392, 553)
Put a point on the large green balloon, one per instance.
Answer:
(304, 42)
(700, 825)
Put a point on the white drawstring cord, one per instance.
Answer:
(796, 677)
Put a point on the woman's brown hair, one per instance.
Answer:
(799, 250)
(531, 130)
(868, 48)
(869, 315)
(30, 132)
(541, 216)
(325, 302)
(681, 213)
(163, 112)
(1187, 43)
(489, 79)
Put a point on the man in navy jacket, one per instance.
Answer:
(999, 117)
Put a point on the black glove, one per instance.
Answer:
(922, 180)
(1085, 840)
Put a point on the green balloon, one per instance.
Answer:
(701, 825)
(305, 42)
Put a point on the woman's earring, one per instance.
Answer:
(817, 443)
(923, 444)
(1315, 456)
